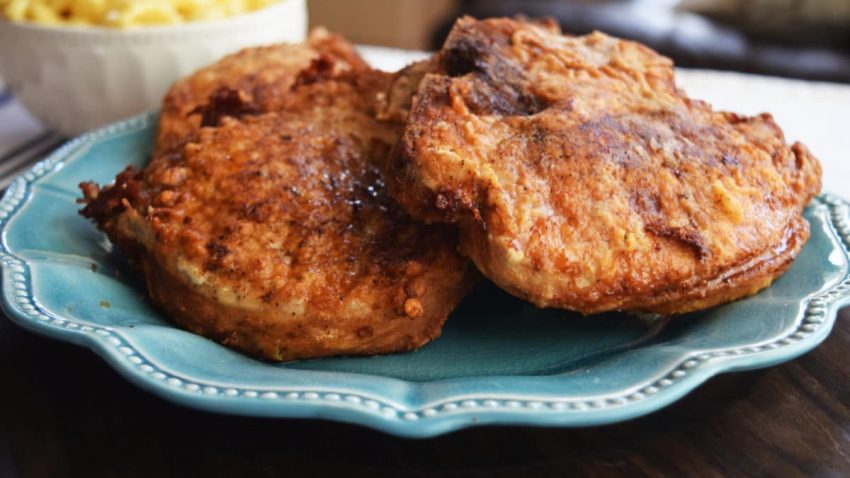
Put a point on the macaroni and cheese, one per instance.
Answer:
(124, 13)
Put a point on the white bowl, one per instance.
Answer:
(77, 78)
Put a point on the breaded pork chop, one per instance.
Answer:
(253, 81)
(582, 178)
(270, 229)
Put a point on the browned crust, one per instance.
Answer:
(581, 177)
(263, 75)
(263, 221)
(281, 337)
(736, 282)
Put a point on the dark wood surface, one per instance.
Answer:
(64, 412)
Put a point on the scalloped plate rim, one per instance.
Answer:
(449, 413)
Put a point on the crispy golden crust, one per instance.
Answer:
(262, 75)
(263, 221)
(582, 178)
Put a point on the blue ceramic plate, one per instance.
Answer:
(499, 360)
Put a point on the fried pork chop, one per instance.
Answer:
(262, 220)
(580, 177)
(257, 80)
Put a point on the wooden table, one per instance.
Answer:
(64, 412)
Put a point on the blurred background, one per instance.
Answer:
(807, 39)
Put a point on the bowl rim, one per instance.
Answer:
(202, 26)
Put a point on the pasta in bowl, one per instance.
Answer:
(125, 13)
(75, 77)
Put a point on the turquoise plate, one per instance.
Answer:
(499, 360)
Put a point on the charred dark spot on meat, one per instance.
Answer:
(217, 252)
(499, 86)
(321, 69)
(487, 98)
(465, 56)
(649, 208)
(689, 238)
(259, 211)
(604, 138)
(224, 102)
